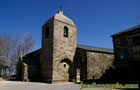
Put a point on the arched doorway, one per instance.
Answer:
(66, 66)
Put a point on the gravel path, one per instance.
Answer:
(15, 85)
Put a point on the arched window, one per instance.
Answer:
(64, 65)
(47, 32)
(66, 61)
(65, 31)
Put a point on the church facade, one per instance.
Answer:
(60, 57)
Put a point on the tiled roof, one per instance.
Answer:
(32, 58)
(95, 49)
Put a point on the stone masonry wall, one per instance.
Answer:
(80, 62)
(25, 72)
(126, 47)
(63, 48)
(98, 63)
(46, 56)
(33, 73)
(127, 55)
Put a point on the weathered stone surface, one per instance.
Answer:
(98, 63)
(127, 54)
(25, 72)
(46, 56)
(80, 62)
(56, 48)
(19, 69)
(92, 64)
(60, 57)
(127, 44)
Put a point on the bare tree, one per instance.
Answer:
(5, 42)
(21, 46)
(138, 17)
(12, 46)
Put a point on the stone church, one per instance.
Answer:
(60, 57)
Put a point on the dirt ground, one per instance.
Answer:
(17, 85)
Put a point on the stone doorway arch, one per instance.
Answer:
(67, 64)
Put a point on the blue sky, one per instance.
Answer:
(96, 20)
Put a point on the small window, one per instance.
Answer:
(47, 32)
(121, 57)
(65, 31)
(64, 65)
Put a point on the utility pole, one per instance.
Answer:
(138, 18)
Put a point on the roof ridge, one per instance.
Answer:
(94, 46)
(127, 30)
(96, 49)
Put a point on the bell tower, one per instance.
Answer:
(59, 40)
